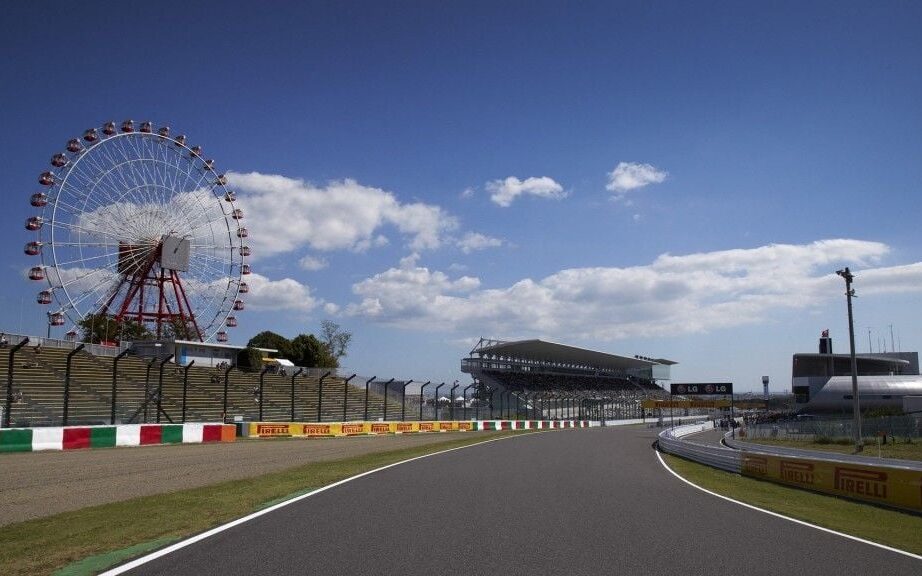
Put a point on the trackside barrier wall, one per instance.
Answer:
(893, 483)
(897, 485)
(327, 429)
(671, 441)
(75, 437)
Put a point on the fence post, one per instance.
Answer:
(160, 387)
(185, 387)
(451, 400)
(437, 400)
(367, 382)
(464, 395)
(346, 395)
(115, 382)
(320, 397)
(403, 400)
(386, 385)
(70, 355)
(262, 380)
(147, 387)
(7, 417)
(293, 376)
(421, 388)
(226, 379)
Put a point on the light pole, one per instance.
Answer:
(856, 405)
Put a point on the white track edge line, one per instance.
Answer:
(783, 517)
(218, 529)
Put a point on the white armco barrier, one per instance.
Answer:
(672, 441)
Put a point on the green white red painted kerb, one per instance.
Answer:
(77, 437)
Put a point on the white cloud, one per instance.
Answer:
(284, 214)
(503, 192)
(692, 293)
(473, 241)
(313, 263)
(467, 193)
(629, 176)
(285, 294)
(331, 309)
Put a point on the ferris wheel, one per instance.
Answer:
(137, 225)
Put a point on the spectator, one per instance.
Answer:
(38, 348)
(4, 342)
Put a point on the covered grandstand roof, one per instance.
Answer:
(538, 350)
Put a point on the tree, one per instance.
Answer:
(249, 359)
(180, 329)
(335, 339)
(104, 328)
(310, 352)
(269, 339)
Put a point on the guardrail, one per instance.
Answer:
(672, 441)
(788, 452)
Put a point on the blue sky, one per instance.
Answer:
(670, 179)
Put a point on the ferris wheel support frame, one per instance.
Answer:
(144, 278)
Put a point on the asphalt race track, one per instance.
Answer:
(593, 501)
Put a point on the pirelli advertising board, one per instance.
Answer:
(888, 486)
(308, 429)
(649, 404)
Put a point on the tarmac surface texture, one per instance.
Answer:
(585, 501)
(39, 484)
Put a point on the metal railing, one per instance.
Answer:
(673, 441)
(904, 427)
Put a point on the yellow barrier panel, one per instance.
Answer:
(314, 429)
(649, 404)
(892, 487)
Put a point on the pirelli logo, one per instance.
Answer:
(380, 428)
(404, 427)
(797, 472)
(756, 465)
(353, 428)
(465, 426)
(272, 430)
(426, 427)
(446, 425)
(861, 482)
(316, 429)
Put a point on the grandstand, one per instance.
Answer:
(533, 370)
(158, 390)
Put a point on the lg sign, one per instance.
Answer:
(707, 389)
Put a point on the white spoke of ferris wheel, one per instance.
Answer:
(211, 221)
(205, 266)
(74, 228)
(109, 170)
(92, 187)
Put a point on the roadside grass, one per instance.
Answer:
(89, 540)
(899, 448)
(892, 528)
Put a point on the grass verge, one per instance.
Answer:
(881, 525)
(899, 448)
(82, 540)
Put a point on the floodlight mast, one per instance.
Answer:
(856, 406)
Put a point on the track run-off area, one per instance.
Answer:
(582, 501)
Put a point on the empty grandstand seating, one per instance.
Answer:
(39, 382)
